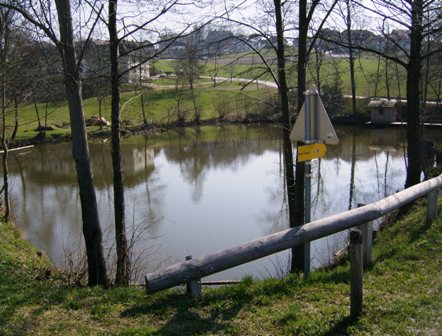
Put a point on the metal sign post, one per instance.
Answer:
(310, 105)
(313, 127)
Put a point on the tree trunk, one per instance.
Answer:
(414, 139)
(16, 110)
(387, 80)
(100, 110)
(143, 109)
(197, 116)
(283, 93)
(80, 150)
(37, 112)
(123, 268)
(7, 203)
(4, 145)
(297, 262)
(5, 188)
(351, 59)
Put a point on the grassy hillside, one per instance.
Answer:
(403, 296)
(164, 104)
(368, 70)
(161, 106)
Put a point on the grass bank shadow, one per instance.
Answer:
(341, 328)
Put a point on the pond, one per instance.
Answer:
(196, 191)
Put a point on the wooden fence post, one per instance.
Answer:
(367, 240)
(193, 287)
(356, 274)
(431, 206)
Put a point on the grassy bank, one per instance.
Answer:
(161, 108)
(403, 296)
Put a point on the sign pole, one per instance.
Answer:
(314, 129)
(309, 101)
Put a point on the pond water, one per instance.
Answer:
(196, 191)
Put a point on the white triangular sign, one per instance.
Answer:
(321, 128)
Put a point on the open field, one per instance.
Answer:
(369, 71)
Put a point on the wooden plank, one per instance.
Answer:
(283, 240)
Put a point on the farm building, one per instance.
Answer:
(383, 112)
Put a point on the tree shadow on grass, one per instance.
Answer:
(213, 312)
(340, 328)
(195, 316)
(18, 295)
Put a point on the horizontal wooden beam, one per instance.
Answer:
(203, 266)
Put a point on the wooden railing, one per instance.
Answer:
(192, 270)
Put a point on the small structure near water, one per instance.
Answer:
(383, 112)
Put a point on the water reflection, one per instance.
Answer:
(195, 191)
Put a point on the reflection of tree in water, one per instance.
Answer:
(45, 183)
(47, 193)
(43, 203)
(276, 217)
(197, 153)
(148, 208)
(359, 149)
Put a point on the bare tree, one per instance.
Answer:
(421, 20)
(348, 14)
(5, 20)
(279, 11)
(42, 16)
(117, 72)
(15, 60)
(190, 68)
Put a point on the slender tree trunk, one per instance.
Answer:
(414, 139)
(143, 109)
(426, 82)
(283, 93)
(4, 145)
(197, 117)
(378, 70)
(351, 58)
(100, 110)
(387, 80)
(318, 57)
(7, 203)
(46, 117)
(80, 149)
(398, 79)
(297, 262)
(37, 112)
(16, 110)
(123, 269)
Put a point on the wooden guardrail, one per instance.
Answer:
(195, 269)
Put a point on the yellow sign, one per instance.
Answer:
(310, 152)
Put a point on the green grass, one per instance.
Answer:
(246, 65)
(229, 99)
(402, 296)
(160, 107)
